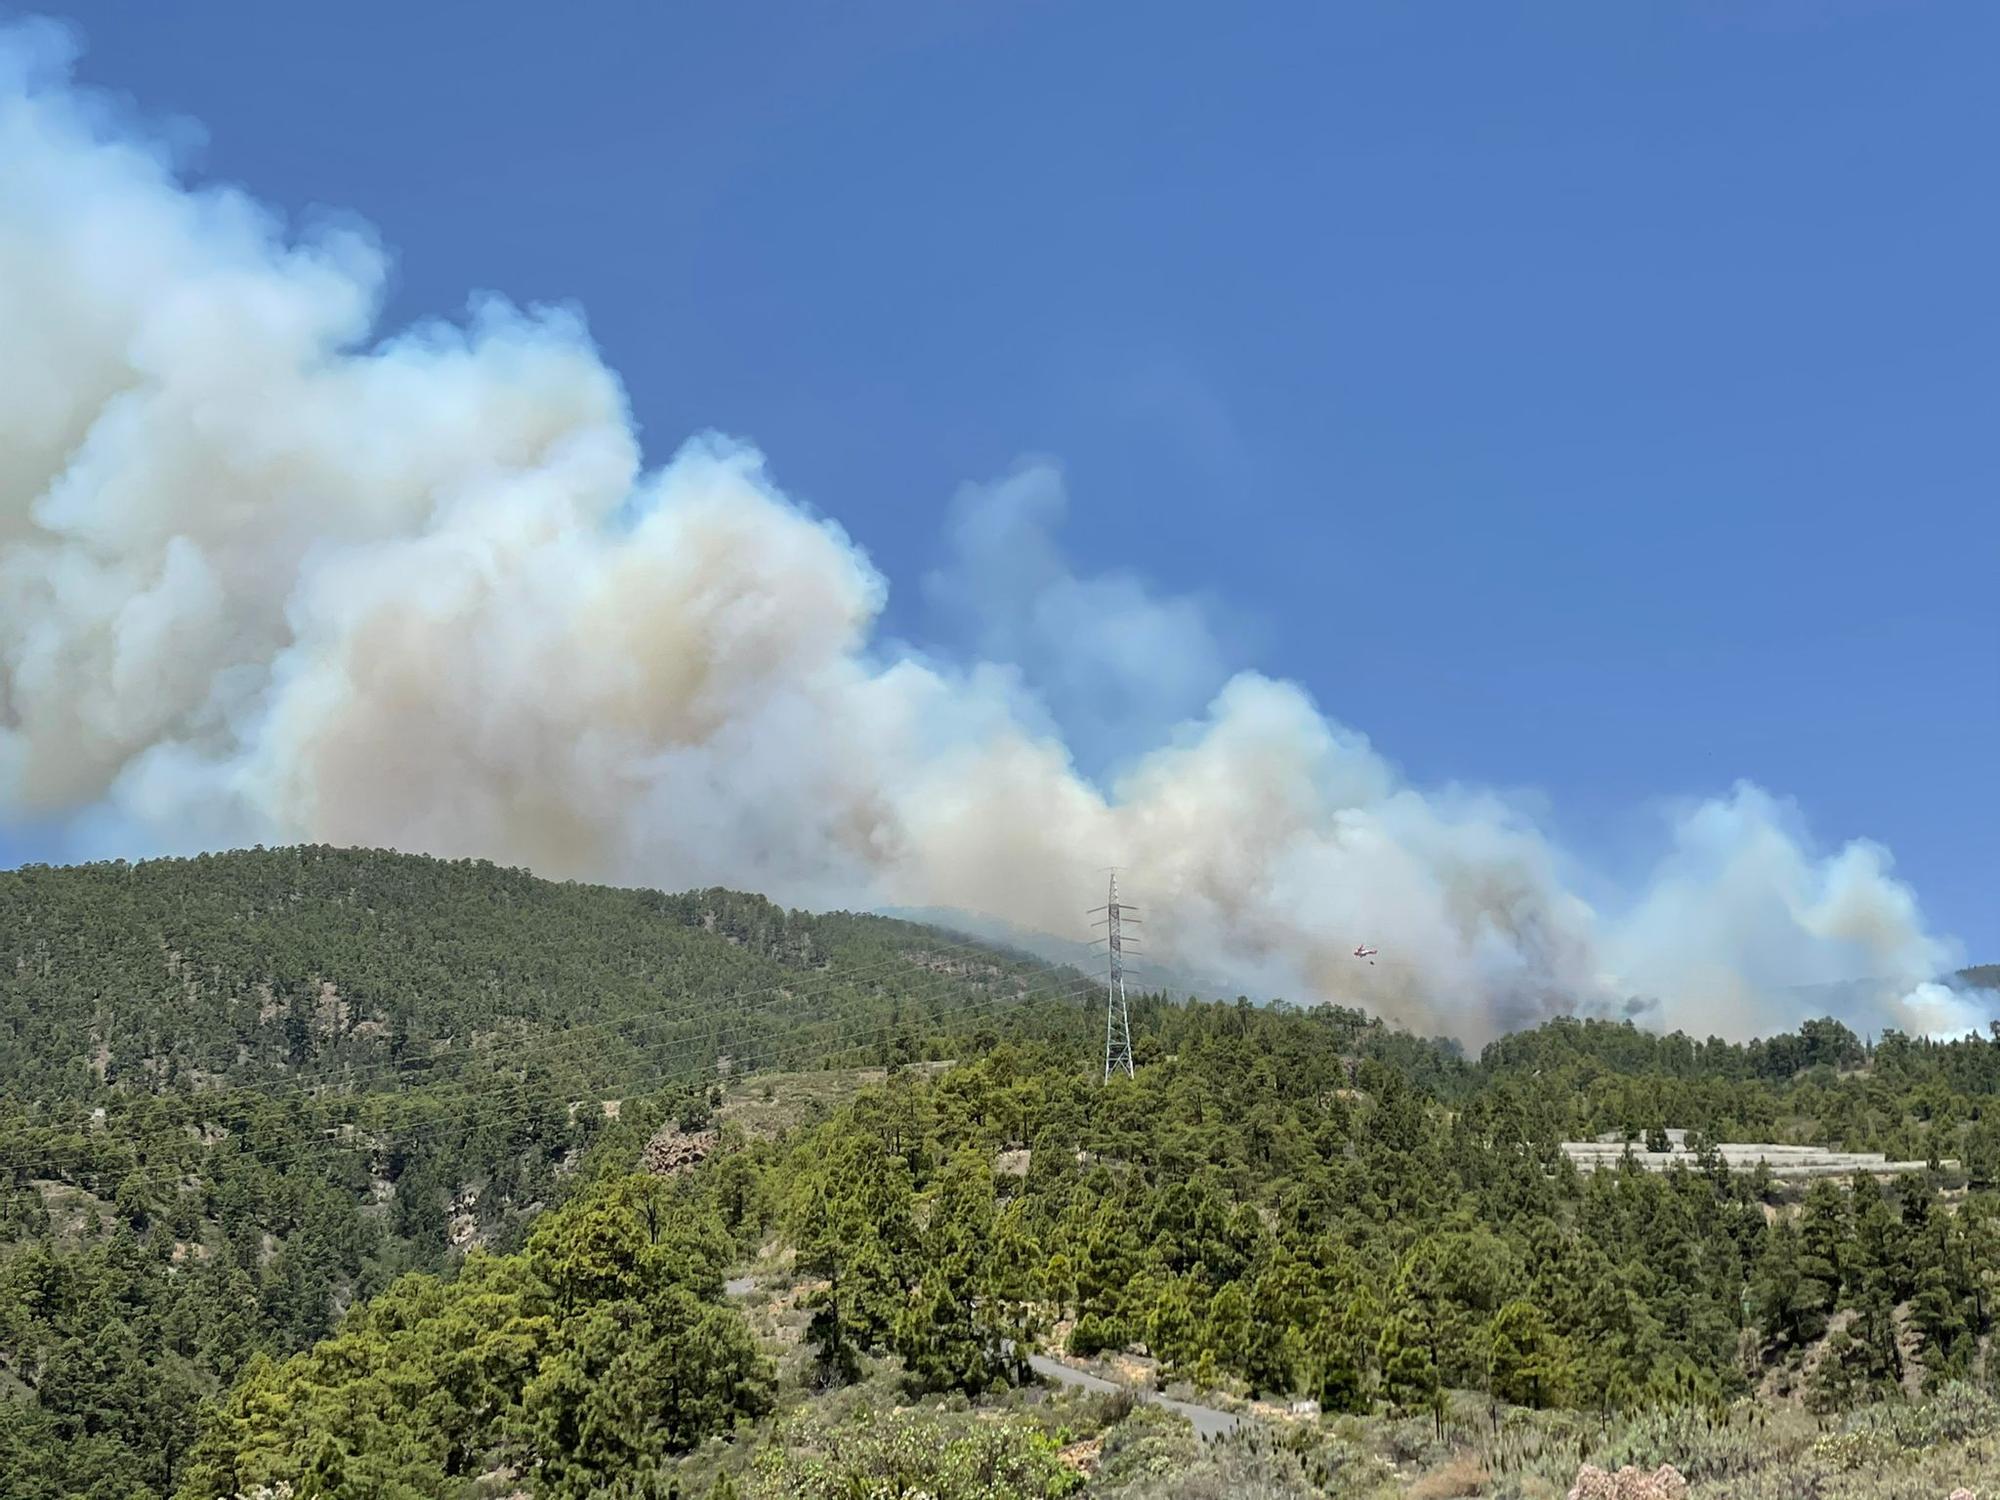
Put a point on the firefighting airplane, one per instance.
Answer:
(1367, 953)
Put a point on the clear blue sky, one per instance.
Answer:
(1591, 397)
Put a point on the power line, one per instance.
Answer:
(671, 1066)
(457, 1128)
(929, 988)
(853, 1024)
(559, 1044)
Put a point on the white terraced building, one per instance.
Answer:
(1609, 1150)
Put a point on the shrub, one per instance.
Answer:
(1093, 1335)
(1694, 1439)
(941, 1456)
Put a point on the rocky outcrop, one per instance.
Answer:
(1082, 1457)
(672, 1150)
(1629, 1483)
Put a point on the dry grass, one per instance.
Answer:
(74, 1214)
(1896, 1450)
(767, 1104)
(1463, 1475)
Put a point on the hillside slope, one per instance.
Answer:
(321, 964)
(322, 1166)
(241, 1091)
(1280, 1206)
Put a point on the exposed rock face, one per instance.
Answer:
(673, 1150)
(1083, 1457)
(1629, 1483)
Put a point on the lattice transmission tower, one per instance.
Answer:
(1117, 916)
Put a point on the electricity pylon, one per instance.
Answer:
(1117, 1023)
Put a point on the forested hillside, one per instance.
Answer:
(240, 1092)
(1281, 1203)
(325, 1171)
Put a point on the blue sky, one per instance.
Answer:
(1590, 398)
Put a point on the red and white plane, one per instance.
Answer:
(1367, 953)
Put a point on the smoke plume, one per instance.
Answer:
(268, 573)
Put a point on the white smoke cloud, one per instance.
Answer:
(1948, 1012)
(267, 575)
(1741, 913)
(1113, 662)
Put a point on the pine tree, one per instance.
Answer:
(1227, 1336)
(1410, 1377)
(1527, 1364)
(1839, 1379)
(952, 1334)
(1344, 1350)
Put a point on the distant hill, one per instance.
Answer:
(1147, 971)
(330, 964)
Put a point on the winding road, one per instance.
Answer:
(1207, 1420)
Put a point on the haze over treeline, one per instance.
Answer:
(272, 572)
